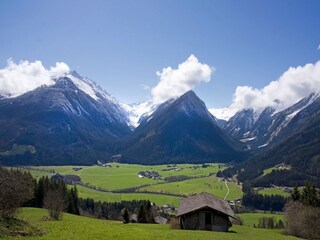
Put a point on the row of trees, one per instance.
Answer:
(270, 223)
(253, 200)
(118, 210)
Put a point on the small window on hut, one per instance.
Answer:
(208, 218)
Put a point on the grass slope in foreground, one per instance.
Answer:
(75, 227)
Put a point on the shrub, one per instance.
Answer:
(55, 202)
(303, 221)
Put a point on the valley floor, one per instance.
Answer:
(110, 183)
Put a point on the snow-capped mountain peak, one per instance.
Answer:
(90, 87)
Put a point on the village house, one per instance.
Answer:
(67, 179)
(154, 175)
(76, 168)
(204, 212)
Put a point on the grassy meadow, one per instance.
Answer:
(75, 227)
(122, 176)
(274, 191)
(118, 177)
(250, 219)
(207, 184)
(159, 199)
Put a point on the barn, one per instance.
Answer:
(204, 211)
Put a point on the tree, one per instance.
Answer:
(309, 196)
(55, 202)
(149, 211)
(73, 206)
(125, 215)
(295, 195)
(16, 188)
(142, 215)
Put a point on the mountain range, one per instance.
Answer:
(75, 121)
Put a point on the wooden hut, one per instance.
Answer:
(204, 212)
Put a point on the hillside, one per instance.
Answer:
(300, 151)
(75, 227)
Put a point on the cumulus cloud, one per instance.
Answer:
(293, 85)
(175, 82)
(16, 79)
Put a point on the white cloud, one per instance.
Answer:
(318, 47)
(175, 82)
(16, 79)
(295, 84)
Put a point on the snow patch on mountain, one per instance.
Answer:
(90, 87)
(263, 145)
(247, 139)
(138, 111)
(83, 87)
(291, 112)
(223, 113)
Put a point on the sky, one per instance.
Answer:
(231, 53)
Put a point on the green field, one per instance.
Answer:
(117, 177)
(274, 191)
(249, 219)
(123, 176)
(269, 170)
(207, 184)
(75, 227)
(117, 197)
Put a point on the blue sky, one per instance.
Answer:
(122, 44)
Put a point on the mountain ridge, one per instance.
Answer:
(75, 121)
(181, 132)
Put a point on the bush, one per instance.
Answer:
(55, 202)
(303, 221)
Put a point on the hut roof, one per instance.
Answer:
(160, 220)
(202, 200)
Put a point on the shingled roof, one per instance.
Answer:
(202, 200)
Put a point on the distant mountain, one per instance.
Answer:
(300, 150)
(73, 121)
(261, 129)
(181, 130)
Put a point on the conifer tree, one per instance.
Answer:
(125, 215)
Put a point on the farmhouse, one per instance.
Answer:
(154, 175)
(68, 179)
(204, 212)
